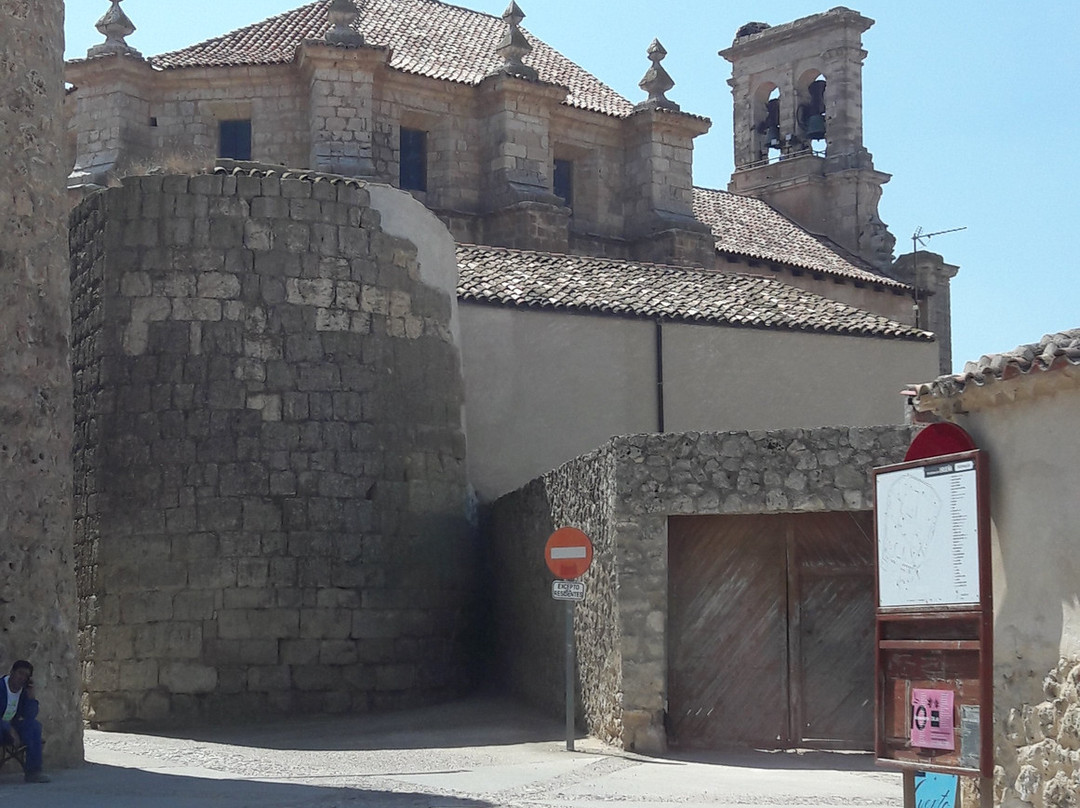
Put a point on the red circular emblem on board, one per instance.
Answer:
(568, 553)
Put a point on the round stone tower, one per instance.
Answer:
(269, 448)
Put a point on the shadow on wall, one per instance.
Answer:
(519, 577)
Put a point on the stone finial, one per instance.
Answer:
(114, 25)
(343, 14)
(656, 81)
(513, 45)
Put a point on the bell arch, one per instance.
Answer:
(811, 120)
(766, 117)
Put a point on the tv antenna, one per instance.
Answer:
(919, 239)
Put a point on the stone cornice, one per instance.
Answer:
(315, 54)
(500, 85)
(683, 123)
(776, 35)
(108, 70)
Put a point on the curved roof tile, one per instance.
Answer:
(1052, 352)
(745, 226)
(519, 278)
(426, 37)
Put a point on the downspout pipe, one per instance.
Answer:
(659, 375)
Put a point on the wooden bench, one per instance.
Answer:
(12, 752)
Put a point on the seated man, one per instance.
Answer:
(18, 717)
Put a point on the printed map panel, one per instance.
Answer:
(927, 529)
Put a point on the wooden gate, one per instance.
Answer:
(771, 630)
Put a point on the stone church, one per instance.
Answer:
(342, 273)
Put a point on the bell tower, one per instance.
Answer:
(797, 91)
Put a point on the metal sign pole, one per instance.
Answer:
(569, 676)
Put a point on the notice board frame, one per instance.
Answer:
(926, 644)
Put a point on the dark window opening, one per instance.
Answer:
(234, 140)
(412, 175)
(563, 181)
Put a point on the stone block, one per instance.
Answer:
(295, 188)
(146, 607)
(265, 678)
(274, 207)
(218, 285)
(370, 624)
(326, 623)
(338, 598)
(194, 546)
(300, 652)
(278, 623)
(160, 574)
(247, 597)
(194, 605)
(319, 678)
(174, 640)
(186, 677)
(109, 709)
(395, 677)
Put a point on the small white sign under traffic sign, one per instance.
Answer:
(568, 590)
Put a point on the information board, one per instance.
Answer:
(934, 621)
(928, 535)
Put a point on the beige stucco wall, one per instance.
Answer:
(1027, 426)
(749, 378)
(1034, 447)
(543, 387)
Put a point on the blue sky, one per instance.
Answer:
(971, 106)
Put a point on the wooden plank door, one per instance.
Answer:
(770, 630)
(833, 704)
(728, 652)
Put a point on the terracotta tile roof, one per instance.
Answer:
(527, 279)
(426, 37)
(749, 227)
(1053, 352)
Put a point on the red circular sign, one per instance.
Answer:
(568, 553)
(939, 439)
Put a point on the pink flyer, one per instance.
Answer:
(932, 719)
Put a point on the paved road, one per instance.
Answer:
(479, 753)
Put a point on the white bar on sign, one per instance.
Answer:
(567, 552)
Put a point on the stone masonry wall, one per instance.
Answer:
(37, 587)
(488, 146)
(638, 481)
(271, 514)
(1038, 745)
(529, 624)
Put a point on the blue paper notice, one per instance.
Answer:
(935, 790)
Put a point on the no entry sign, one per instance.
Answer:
(568, 553)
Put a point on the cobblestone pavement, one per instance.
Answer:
(478, 753)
